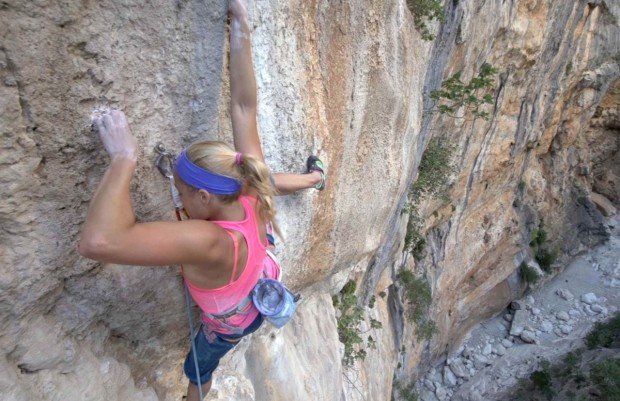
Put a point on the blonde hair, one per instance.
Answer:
(218, 157)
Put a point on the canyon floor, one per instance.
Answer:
(542, 328)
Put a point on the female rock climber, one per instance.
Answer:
(228, 196)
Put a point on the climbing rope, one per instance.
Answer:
(164, 163)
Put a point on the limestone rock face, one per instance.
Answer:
(346, 80)
(553, 118)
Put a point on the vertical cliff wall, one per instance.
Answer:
(347, 80)
(535, 160)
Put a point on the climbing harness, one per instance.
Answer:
(165, 163)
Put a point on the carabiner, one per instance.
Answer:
(164, 160)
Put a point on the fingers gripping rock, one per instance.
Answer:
(115, 134)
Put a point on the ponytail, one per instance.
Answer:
(257, 175)
(218, 157)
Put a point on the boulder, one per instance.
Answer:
(441, 393)
(589, 311)
(573, 313)
(449, 379)
(588, 298)
(546, 326)
(458, 368)
(519, 320)
(565, 294)
(481, 361)
(528, 337)
(603, 204)
(476, 396)
(428, 395)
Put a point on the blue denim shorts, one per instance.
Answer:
(209, 354)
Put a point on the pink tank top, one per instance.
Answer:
(220, 301)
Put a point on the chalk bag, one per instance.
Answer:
(274, 301)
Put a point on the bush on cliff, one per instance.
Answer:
(529, 274)
(606, 376)
(349, 319)
(418, 297)
(470, 97)
(605, 334)
(540, 245)
(425, 11)
(434, 174)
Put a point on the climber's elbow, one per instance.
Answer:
(94, 247)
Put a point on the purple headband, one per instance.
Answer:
(199, 178)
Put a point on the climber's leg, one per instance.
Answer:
(192, 391)
(208, 354)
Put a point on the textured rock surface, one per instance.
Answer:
(532, 161)
(345, 79)
(520, 359)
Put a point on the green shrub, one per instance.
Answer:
(417, 292)
(427, 329)
(539, 243)
(473, 95)
(434, 171)
(418, 297)
(529, 274)
(605, 334)
(606, 376)
(350, 317)
(539, 236)
(405, 393)
(425, 11)
(433, 177)
(414, 240)
(570, 364)
(546, 258)
(565, 381)
(542, 379)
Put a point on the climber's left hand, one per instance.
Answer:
(115, 134)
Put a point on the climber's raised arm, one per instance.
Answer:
(242, 83)
(110, 232)
(244, 106)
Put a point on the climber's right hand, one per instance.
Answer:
(115, 134)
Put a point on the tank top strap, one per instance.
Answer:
(235, 255)
(250, 204)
